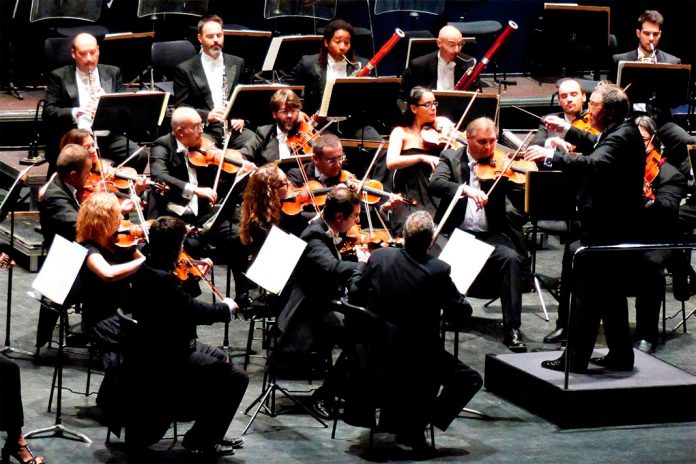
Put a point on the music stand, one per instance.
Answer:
(86, 10)
(358, 97)
(249, 45)
(251, 102)
(285, 52)
(453, 103)
(667, 84)
(183, 7)
(137, 114)
(8, 207)
(324, 9)
(433, 7)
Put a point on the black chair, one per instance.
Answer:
(166, 56)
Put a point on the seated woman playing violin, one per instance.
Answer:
(105, 275)
(481, 212)
(410, 158)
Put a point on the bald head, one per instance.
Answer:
(85, 52)
(187, 126)
(571, 97)
(449, 41)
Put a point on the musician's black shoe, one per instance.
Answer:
(513, 340)
(613, 363)
(557, 336)
(208, 452)
(415, 440)
(234, 442)
(559, 365)
(321, 405)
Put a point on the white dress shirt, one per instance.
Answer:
(87, 86)
(214, 70)
(475, 219)
(445, 74)
(283, 148)
(188, 193)
(335, 68)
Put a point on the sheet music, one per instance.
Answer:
(60, 269)
(277, 259)
(245, 87)
(272, 54)
(467, 256)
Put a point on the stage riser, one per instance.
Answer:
(590, 408)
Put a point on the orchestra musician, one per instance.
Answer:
(411, 159)
(336, 58)
(610, 204)
(193, 378)
(270, 141)
(484, 216)
(307, 322)
(407, 289)
(572, 98)
(440, 70)
(71, 98)
(106, 272)
(206, 83)
(12, 416)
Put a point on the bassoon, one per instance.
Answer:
(472, 73)
(381, 53)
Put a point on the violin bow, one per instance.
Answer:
(135, 153)
(306, 181)
(372, 165)
(191, 263)
(459, 123)
(509, 163)
(222, 160)
(384, 226)
(450, 207)
(139, 211)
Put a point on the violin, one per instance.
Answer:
(300, 142)
(442, 132)
(207, 154)
(583, 123)
(492, 168)
(373, 189)
(299, 197)
(186, 267)
(652, 169)
(369, 238)
(129, 234)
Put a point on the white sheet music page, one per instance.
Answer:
(467, 256)
(60, 269)
(272, 54)
(277, 259)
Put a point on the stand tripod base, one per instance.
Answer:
(60, 431)
(263, 397)
(8, 349)
(32, 160)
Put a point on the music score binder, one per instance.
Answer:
(360, 96)
(453, 103)
(286, 51)
(666, 83)
(137, 114)
(251, 102)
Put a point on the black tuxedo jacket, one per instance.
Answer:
(58, 212)
(312, 75)
(319, 277)
(423, 71)
(453, 170)
(191, 86)
(610, 173)
(263, 148)
(169, 166)
(662, 58)
(542, 134)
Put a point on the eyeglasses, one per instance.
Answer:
(452, 43)
(337, 161)
(428, 105)
(196, 127)
(289, 112)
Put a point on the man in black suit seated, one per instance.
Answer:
(484, 216)
(439, 70)
(270, 141)
(206, 83)
(610, 204)
(307, 321)
(572, 98)
(407, 289)
(193, 379)
(71, 100)
(336, 58)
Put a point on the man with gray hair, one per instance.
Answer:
(407, 288)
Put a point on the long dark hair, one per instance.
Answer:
(261, 205)
(329, 31)
(414, 97)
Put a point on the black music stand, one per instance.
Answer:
(285, 52)
(248, 44)
(8, 207)
(453, 103)
(137, 114)
(662, 84)
(183, 7)
(88, 10)
(251, 102)
(360, 97)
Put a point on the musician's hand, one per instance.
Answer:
(535, 152)
(237, 124)
(207, 193)
(80, 111)
(247, 166)
(127, 206)
(217, 115)
(430, 160)
(556, 124)
(479, 196)
(204, 265)
(393, 202)
(140, 185)
(234, 307)
(304, 117)
(557, 142)
(362, 253)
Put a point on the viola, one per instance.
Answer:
(442, 132)
(207, 154)
(492, 168)
(129, 234)
(583, 123)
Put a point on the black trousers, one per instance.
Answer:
(11, 411)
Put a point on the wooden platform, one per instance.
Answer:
(653, 392)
